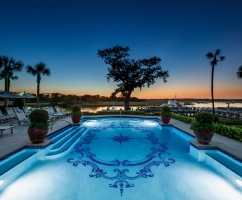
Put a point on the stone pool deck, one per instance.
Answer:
(12, 142)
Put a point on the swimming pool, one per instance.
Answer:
(128, 158)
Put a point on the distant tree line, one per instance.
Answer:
(69, 100)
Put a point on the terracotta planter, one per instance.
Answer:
(37, 135)
(165, 119)
(76, 119)
(203, 137)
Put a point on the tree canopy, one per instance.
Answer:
(129, 73)
(9, 66)
(239, 73)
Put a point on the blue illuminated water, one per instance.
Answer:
(124, 159)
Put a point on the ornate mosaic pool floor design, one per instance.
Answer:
(121, 178)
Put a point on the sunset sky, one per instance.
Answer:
(66, 35)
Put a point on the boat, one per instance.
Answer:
(171, 103)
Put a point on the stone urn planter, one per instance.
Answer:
(76, 119)
(38, 127)
(37, 135)
(165, 114)
(203, 137)
(165, 119)
(203, 127)
(76, 114)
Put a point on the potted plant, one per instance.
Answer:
(38, 127)
(76, 114)
(165, 114)
(203, 127)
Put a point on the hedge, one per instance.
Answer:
(228, 131)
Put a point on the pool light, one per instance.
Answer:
(1, 182)
(239, 182)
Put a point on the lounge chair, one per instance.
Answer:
(11, 113)
(31, 109)
(59, 111)
(21, 116)
(3, 128)
(4, 118)
(52, 112)
(51, 117)
(26, 110)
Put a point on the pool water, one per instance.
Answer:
(124, 159)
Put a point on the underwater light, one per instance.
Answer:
(1, 182)
(239, 182)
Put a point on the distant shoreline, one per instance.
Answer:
(153, 102)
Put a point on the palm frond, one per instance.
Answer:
(31, 70)
(40, 66)
(209, 55)
(217, 52)
(46, 72)
(222, 58)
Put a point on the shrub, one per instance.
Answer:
(76, 110)
(39, 119)
(166, 111)
(203, 121)
(39, 116)
(204, 117)
(182, 118)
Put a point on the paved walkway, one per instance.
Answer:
(12, 142)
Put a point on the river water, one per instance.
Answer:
(200, 105)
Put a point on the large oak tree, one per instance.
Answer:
(129, 73)
(239, 73)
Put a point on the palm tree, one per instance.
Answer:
(9, 66)
(10, 77)
(239, 73)
(38, 70)
(215, 58)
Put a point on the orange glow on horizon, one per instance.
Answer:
(199, 93)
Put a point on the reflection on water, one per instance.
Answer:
(199, 105)
(217, 104)
(105, 108)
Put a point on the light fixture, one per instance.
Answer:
(239, 182)
(1, 182)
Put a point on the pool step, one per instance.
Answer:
(14, 160)
(59, 134)
(64, 143)
(66, 136)
(231, 164)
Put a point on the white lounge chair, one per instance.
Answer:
(52, 112)
(59, 111)
(31, 109)
(11, 113)
(4, 118)
(51, 117)
(26, 110)
(21, 116)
